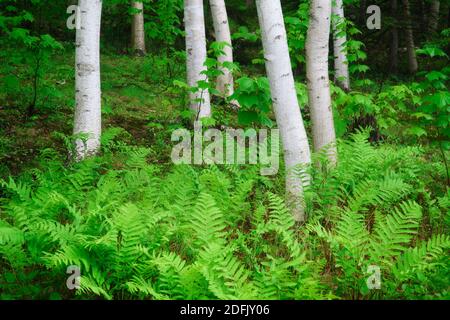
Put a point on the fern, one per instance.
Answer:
(206, 221)
(420, 257)
(394, 232)
(145, 231)
(10, 234)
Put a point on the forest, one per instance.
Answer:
(224, 150)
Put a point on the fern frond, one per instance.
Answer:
(10, 234)
(392, 235)
(420, 257)
(140, 287)
(207, 222)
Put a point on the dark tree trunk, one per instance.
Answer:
(393, 61)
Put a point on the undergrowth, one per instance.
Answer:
(137, 231)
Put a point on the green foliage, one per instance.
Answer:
(433, 113)
(254, 99)
(140, 228)
(164, 23)
(244, 34)
(137, 233)
(33, 51)
(372, 217)
(297, 27)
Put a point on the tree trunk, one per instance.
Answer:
(324, 136)
(285, 103)
(393, 61)
(194, 21)
(137, 30)
(87, 79)
(362, 12)
(422, 15)
(448, 17)
(225, 84)
(412, 59)
(434, 16)
(342, 77)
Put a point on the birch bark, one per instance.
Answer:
(287, 112)
(87, 119)
(324, 136)
(342, 77)
(138, 30)
(196, 54)
(225, 83)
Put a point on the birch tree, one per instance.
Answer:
(225, 83)
(317, 50)
(342, 77)
(138, 30)
(196, 56)
(285, 103)
(87, 120)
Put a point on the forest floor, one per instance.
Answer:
(143, 228)
(134, 97)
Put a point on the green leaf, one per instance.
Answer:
(417, 131)
(247, 117)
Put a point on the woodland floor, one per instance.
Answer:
(142, 97)
(130, 100)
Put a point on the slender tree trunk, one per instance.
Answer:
(434, 16)
(422, 15)
(285, 103)
(324, 136)
(87, 79)
(448, 17)
(393, 63)
(362, 12)
(225, 83)
(138, 30)
(194, 21)
(412, 58)
(342, 77)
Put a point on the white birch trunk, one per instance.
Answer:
(225, 83)
(196, 55)
(87, 79)
(138, 30)
(287, 112)
(317, 77)
(342, 77)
